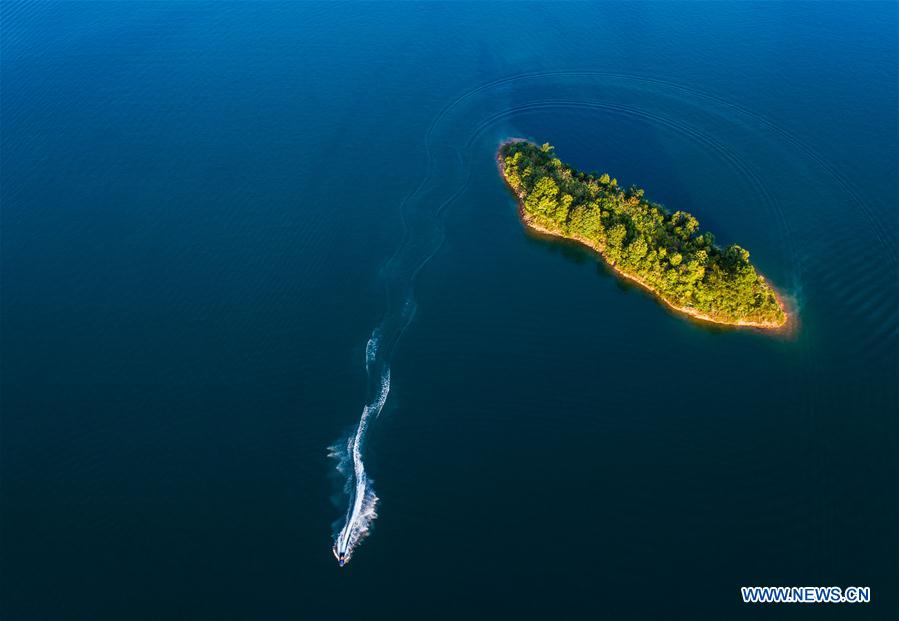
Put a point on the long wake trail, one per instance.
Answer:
(423, 234)
(421, 213)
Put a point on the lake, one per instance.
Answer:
(208, 208)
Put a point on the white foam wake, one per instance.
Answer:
(362, 499)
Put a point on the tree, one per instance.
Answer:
(736, 257)
(637, 249)
(616, 235)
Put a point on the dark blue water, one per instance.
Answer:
(199, 206)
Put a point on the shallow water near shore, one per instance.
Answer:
(199, 206)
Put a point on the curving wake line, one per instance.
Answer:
(423, 235)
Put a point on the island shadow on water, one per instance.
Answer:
(577, 253)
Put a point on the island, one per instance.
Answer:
(641, 241)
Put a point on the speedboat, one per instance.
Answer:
(340, 556)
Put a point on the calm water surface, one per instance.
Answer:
(199, 202)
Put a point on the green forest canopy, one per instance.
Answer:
(667, 251)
